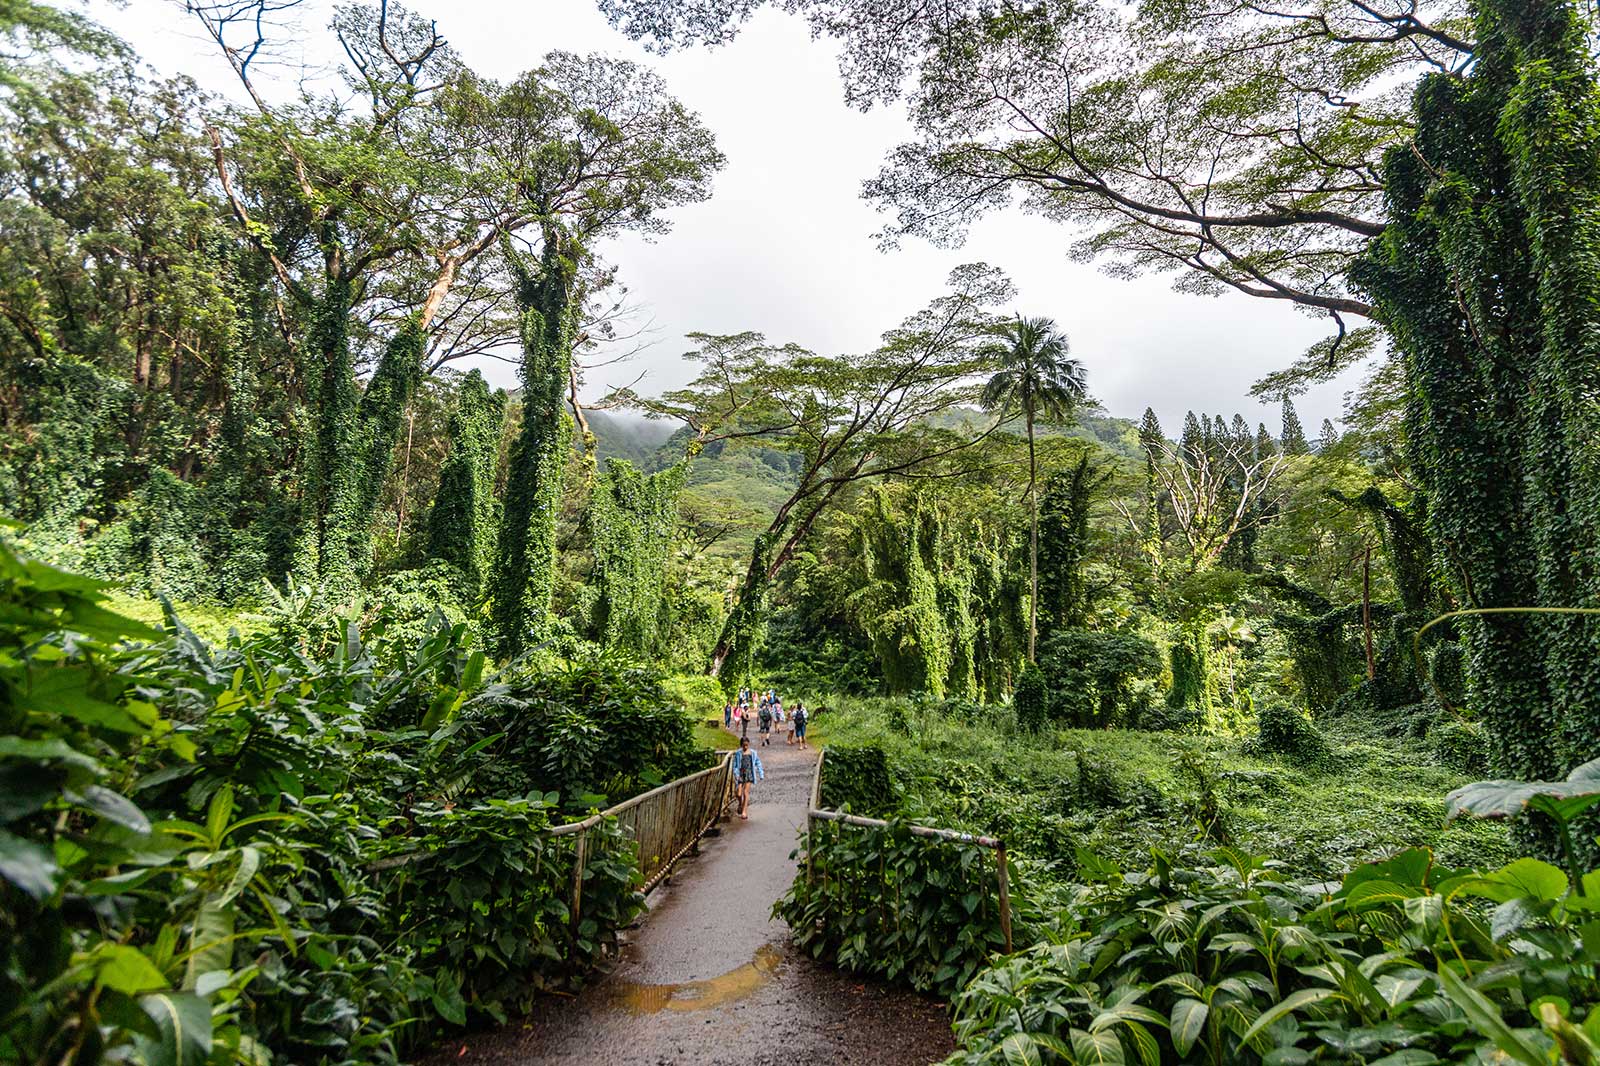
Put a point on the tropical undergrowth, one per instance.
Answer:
(1187, 899)
(323, 842)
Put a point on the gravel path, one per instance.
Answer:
(710, 976)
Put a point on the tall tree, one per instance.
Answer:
(1294, 434)
(1037, 377)
(461, 522)
(1483, 278)
(850, 419)
(615, 151)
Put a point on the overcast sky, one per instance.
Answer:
(785, 246)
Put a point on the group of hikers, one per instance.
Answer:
(768, 711)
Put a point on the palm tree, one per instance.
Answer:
(1037, 377)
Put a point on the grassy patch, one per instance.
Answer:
(1122, 792)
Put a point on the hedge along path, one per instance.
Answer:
(710, 976)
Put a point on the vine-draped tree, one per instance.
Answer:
(616, 150)
(1035, 376)
(462, 521)
(850, 419)
(633, 521)
(1485, 278)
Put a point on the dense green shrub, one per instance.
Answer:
(1283, 730)
(595, 730)
(1215, 958)
(698, 694)
(1461, 745)
(222, 852)
(884, 902)
(489, 869)
(1031, 699)
(858, 778)
(1091, 675)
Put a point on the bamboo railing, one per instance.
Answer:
(664, 823)
(815, 814)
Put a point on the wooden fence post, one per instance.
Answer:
(580, 856)
(1005, 894)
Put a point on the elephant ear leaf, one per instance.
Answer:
(1563, 800)
(183, 1029)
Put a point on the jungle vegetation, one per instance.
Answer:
(288, 591)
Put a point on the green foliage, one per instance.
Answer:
(1477, 276)
(463, 518)
(1462, 746)
(592, 731)
(1120, 792)
(1032, 699)
(524, 572)
(1091, 676)
(697, 694)
(856, 778)
(251, 847)
(1284, 730)
(491, 868)
(881, 901)
(1064, 546)
(1187, 662)
(1216, 958)
(633, 522)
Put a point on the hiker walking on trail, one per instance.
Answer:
(727, 714)
(766, 724)
(801, 717)
(747, 768)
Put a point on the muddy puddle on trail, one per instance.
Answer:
(730, 987)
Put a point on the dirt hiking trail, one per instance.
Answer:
(710, 977)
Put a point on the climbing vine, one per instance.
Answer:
(461, 523)
(633, 520)
(524, 573)
(1485, 278)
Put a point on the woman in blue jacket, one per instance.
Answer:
(746, 772)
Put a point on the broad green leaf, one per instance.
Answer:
(184, 1022)
(46, 750)
(1096, 1049)
(211, 942)
(1188, 1022)
(29, 866)
(123, 968)
(64, 690)
(1018, 1050)
(1288, 1005)
(1523, 879)
(249, 863)
(1485, 1017)
(113, 807)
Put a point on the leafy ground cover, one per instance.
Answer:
(1118, 792)
(1185, 899)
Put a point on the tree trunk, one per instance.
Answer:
(1366, 612)
(524, 570)
(1033, 544)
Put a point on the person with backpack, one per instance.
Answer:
(746, 772)
(800, 718)
(765, 720)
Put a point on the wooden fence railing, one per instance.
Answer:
(664, 823)
(815, 814)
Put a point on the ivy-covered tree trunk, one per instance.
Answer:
(331, 399)
(377, 432)
(524, 573)
(461, 523)
(633, 519)
(733, 661)
(1487, 277)
(1064, 547)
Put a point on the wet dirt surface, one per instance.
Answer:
(710, 977)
